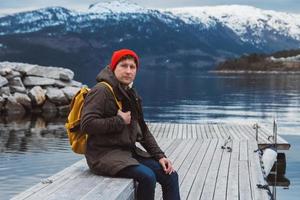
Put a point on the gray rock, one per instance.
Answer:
(49, 108)
(23, 99)
(37, 95)
(51, 72)
(71, 83)
(12, 107)
(56, 96)
(16, 85)
(63, 110)
(2, 101)
(5, 90)
(3, 81)
(20, 67)
(13, 74)
(70, 92)
(34, 81)
(5, 70)
(23, 68)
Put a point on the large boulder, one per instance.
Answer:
(56, 96)
(2, 101)
(5, 70)
(52, 72)
(3, 81)
(13, 74)
(63, 110)
(70, 92)
(23, 99)
(16, 85)
(34, 80)
(71, 83)
(37, 95)
(12, 107)
(49, 108)
(5, 90)
(16, 66)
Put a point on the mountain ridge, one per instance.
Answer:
(85, 39)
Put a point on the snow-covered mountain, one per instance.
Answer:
(197, 37)
(250, 23)
(116, 7)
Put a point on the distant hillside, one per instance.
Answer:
(279, 61)
(180, 39)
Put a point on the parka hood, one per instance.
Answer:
(108, 76)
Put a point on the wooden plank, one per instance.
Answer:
(171, 130)
(243, 150)
(207, 132)
(188, 180)
(180, 131)
(187, 163)
(85, 180)
(116, 188)
(194, 131)
(224, 129)
(198, 132)
(233, 181)
(177, 159)
(203, 132)
(58, 178)
(242, 132)
(221, 185)
(211, 179)
(165, 133)
(232, 133)
(153, 128)
(224, 134)
(215, 129)
(176, 131)
(167, 130)
(188, 131)
(184, 131)
(197, 187)
(244, 180)
(159, 130)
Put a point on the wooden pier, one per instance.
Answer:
(206, 170)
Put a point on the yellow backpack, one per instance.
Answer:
(76, 137)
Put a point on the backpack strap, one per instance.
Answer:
(119, 103)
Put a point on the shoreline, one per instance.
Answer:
(252, 72)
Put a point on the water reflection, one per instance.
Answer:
(31, 134)
(31, 149)
(37, 147)
(200, 97)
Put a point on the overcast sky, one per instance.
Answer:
(11, 6)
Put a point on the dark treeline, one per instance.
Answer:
(262, 62)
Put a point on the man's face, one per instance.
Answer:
(125, 71)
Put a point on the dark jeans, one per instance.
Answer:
(146, 174)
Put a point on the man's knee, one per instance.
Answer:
(149, 178)
(174, 177)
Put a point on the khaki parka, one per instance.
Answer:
(111, 142)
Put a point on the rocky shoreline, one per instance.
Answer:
(33, 89)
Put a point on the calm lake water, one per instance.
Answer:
(33, 149)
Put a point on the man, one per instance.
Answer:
(112, 132)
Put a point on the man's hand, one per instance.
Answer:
(167, 165)
(126, 116)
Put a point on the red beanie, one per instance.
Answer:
(117, 55)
